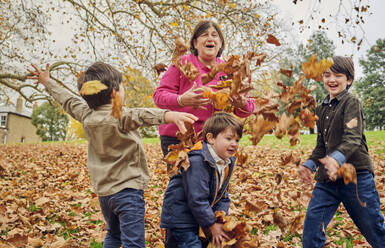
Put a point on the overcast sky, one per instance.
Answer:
(373, 29)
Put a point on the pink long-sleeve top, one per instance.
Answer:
(174, 83)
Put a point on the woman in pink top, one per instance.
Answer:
(176, 92)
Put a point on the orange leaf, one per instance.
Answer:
(314, 70)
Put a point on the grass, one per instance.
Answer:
(374, 138)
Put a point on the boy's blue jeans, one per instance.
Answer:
(182, 238)
(325, 201)
(124, 216)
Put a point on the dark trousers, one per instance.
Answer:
(165, 141)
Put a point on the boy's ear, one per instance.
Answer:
(210, 138)
(349, 82)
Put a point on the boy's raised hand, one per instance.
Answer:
(38, 75)
(179, 118)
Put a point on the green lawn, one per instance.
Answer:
(374, 138)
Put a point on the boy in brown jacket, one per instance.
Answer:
(116, 157)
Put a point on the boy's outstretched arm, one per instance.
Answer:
(40, 76)
(304, 173)
(179, 119)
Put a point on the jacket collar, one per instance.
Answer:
(207, 156)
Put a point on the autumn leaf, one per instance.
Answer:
(314, 70)
(279, 220)
(308, 118)
(272, 40)
(160, 68)
(286, 72)
(92, 88)
(241, 158)
(348, 173)
(283, 125)
(117, 106)
(188, 69)
(219, 99)
(180, 49)
(177, 158)
(260, 58)
(260, 127)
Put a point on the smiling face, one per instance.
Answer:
(335, 82)
(225, 144)
(208, 44)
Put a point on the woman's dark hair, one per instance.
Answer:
(345, 66)
(219, 122)
(108, 76)
(199, 29)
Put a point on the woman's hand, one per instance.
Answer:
(218, 234)
(191, 98)
(179, 119)
(238, 101)
(38, 75)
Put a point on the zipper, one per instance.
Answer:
(216, 189)
(227, 185)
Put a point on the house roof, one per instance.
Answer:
(10, 108)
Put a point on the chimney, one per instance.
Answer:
(35, 106)
(19, 104)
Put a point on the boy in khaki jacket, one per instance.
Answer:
(116, 157)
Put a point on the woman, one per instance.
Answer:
(176, 92)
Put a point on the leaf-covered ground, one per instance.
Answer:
(46, 198)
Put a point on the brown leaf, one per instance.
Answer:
(160, 68)
(286, 72)
(272, 40)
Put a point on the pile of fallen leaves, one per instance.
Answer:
(46, 198)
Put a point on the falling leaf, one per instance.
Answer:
(314, 70)
(272, 40)
(117, 106)
(348, 173)
(283, 125)
(92, 88)
(286, 72)
(160, 68)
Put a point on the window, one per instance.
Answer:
(5, 139)
(22, 140)
(3, 120)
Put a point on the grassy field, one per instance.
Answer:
(374, 138)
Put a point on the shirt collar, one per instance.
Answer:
(104, 107)
(218, 160)
(338, 97)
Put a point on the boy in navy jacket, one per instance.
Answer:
(193, 197)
